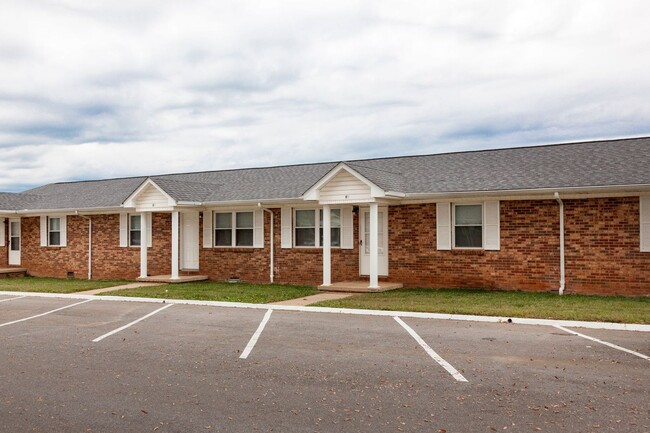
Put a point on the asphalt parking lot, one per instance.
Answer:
(68, 366)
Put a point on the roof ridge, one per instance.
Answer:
(498, 149)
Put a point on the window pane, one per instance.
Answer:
(55, 238)
(223, 220)
(135, 222)
(244, 220)
(244, 237)
(469, 214)
(15, 244)
(335, 218)
(305, 218)
(55, 224)
(305, 237)
(469, 236)
(223, 238)
(14, 228)
(135, 238)
(336, 237)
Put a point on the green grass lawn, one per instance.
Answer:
(506, 304)
(55, 285)
(218, 291)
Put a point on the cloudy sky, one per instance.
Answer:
(95, 89)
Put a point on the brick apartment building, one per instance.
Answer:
(571, 218)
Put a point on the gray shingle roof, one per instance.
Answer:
(601, 163)
(589, 164)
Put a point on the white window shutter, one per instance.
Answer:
(149, 217)
(287, 228)
(347, 228)
(258, 231)
(124, 229)
(207, 229)
(644, 208)
(443, 226)
(491, 236)
(43, 230)
(2, 232)
(64, 231)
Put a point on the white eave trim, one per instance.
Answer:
(539, 193)
(130, 201)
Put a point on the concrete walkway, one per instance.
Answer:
(125, 286)
(307, 300)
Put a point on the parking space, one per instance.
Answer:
(180, 368)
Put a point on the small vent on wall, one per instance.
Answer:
(70, 275)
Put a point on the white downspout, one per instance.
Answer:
(562, 275)
(271, 273)
(90, 245)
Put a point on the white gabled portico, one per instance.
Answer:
(344, 185)
(150, 198)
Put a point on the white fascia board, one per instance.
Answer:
(313, 193)
(535, 194)
(129, 202)
(67, 211)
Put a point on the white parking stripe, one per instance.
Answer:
(43, 314)
(11, 299)
(614, 346)
(122, 328)
(256, 335)
(432, 353)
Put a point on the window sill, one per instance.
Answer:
(469, 252)
(235, 249)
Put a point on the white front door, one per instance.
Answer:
(190, 240)
(14, 241)
(364, 236)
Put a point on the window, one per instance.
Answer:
(135, 230)
(305, 228)
(468, 226)
(54, 231)
(14, 235)
(234, 229)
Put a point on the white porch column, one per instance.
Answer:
(374, 246)
(144, 235)
(327, 246)
(175, 245)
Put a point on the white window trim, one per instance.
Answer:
(233, 228)
(317, 212)
(45, 230)
(453, 225)
(129, 229)
(50, 231)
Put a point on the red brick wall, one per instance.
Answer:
(602, 251)
(305, 265)
(601, 242)
(4, 251)
(109, 259)
(528, 259)
(291, 265)
(602, 247)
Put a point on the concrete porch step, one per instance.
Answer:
(13, 272)
(168, 279)
(359, 287)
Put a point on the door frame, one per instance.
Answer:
(14, 255)
(195, 245)
(382, 267)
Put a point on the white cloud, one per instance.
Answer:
(100, 89)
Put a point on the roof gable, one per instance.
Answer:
(150, 197)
